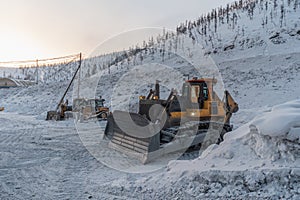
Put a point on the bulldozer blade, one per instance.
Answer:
(132, 134)
(52, 115)
(143, 141)
(138, 149)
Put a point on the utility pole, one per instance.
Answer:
(79, 75)
(73, 78)
(37, 71)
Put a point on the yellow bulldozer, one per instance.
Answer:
(196, 118)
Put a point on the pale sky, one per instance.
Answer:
(36, 29)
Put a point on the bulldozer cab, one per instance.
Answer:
(198, 91)
(195, 92)
(200, 100)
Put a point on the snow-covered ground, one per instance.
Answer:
(41, 159)
(260, 159)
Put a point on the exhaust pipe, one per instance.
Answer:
(157, 90)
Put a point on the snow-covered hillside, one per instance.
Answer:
(246, 24)
(253, 49)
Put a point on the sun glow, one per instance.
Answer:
(16, 46)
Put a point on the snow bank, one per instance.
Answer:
(271, 140)
(280, 121)
(277, 133)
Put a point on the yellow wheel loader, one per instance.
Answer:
(90, 108)
(196, 118)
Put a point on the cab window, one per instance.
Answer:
(185, 90)
(195, 91)
(99, 103)
(205, 92)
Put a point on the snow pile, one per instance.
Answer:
(279, 121)
(278, 133)
(271, 140)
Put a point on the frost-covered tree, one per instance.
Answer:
(275, 4)
(227, 13)
(215, 20)
(281, 15)
(141, 57)
(295, 5)
(240, 4)
(94, 69)
(176, 43)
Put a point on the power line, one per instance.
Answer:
(40, 60)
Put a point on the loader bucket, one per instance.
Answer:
(132, 134)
